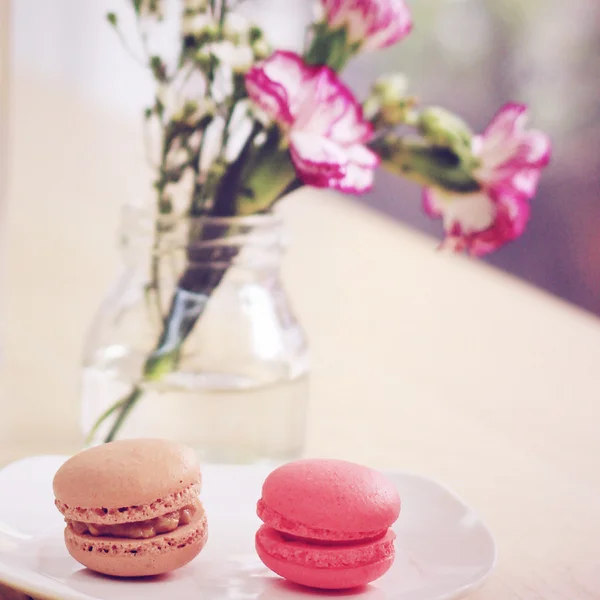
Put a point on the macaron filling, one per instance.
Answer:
(297, 538)
(312, 553)
(145, 529)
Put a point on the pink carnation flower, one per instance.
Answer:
(323, 121)
(372, 24)
(511, 161)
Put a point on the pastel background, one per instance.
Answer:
(468, 55)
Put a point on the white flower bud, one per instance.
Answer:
(195, 140)
(195, 5)
(196, 24)
(443, 128)
(179, 192)
(152, 8)
(222, 86)
(388, 99)
(183, 98)
(236, 27)
(213, 137)
(391, 87)
(318, 11)
(176, 156)
(261, 49)
(238, 58)
(240, 127)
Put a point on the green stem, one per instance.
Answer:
(128, 49)
(426, 165)
(109, 411)
(265, 177)
(229, 185)
(328, 48)
(158, 364)
(155, 278)
(269, 179)
(161, 205)
(125, 407)
(222, 15)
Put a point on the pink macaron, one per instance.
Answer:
(131, 507)
(327, 523)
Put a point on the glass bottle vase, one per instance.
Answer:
(199, 332)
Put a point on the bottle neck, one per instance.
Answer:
(249, 242)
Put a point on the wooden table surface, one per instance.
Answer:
(422, 361)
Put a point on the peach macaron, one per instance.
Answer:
(132, 507)
(327, 523)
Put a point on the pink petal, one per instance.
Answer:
(522, 184)
(354, 179)
(506, 143)
(332, 8)
(530, 150)
(507, 149)
(525, 183)
(510, 221)
(359, 174)
(332, 110)
(279, 85)
(362, 156)
(357, 180)
(324, 105)
(351, 127)
(373, 24)
(268, 95)
(430, 203)
(390, 26)
(505, 122)
(322, 163)
(534, 149)
(462, 214)
(316, 158)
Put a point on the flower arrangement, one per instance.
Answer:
(241, 125)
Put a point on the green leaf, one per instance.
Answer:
(255, 34)
(137, 4)
(158, 68)
(159, 108)
(111, 17)
(148, 113)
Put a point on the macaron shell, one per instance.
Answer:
(125, 473)
(327, 579)
(280, 523)
(128, 514)
(332, 496)
(121, 557)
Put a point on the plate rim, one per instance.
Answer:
(22, 584)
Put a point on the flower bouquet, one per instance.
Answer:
(241, 125)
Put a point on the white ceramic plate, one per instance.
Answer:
(444, 550)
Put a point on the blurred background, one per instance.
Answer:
(468, 55)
